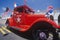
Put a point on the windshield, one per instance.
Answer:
(20, 9)
(23, 9)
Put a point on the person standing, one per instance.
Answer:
(49, 11)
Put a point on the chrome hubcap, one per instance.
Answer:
(42, 35)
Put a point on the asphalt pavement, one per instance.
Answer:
(9, 35)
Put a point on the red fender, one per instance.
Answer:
(46, 20)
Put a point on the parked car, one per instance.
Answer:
(34, 26)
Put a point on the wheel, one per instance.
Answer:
(59, 19)
(44, 35)
(7, 24)
(43, 31)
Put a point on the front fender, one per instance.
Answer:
(10, 21)
(46, 20)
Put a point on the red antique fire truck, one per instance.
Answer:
(34, 26)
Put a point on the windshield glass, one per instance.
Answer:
(20, 9)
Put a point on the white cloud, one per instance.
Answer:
(3, 8)
(38, 10)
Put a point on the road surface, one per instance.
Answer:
(9, 36)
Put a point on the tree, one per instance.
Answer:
(0, 17)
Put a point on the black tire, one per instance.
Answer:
(37, 37)
(59, 19)
(7, 24)
(45, 27)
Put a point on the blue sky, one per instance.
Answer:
(34, 4)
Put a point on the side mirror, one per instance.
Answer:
(51, 17)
